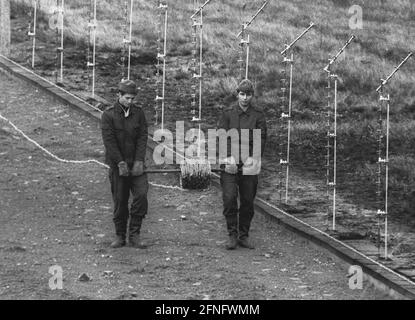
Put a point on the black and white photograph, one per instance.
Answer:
(202, 157)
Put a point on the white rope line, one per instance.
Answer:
(51, 83)
(47, 151)
(75, 161)
(166, 187)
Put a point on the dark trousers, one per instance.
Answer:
(246, 186)
(120, 189)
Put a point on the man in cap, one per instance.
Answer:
(242, 164)
(124, 132)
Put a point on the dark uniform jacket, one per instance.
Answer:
(233, 117)
(125, 139)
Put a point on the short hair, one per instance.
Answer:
(246, 86)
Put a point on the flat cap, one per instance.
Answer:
(128, 86)
(245, 86)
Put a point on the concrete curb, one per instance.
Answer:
(380, 276)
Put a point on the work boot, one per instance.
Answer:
(232, 243)
(136, 242)
(244, 226)
(245, 243)
(232, 226)
(134, 233)
(118, 242)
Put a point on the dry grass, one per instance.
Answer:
(386, 37)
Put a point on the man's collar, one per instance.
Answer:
(121, 108)
(240, 110)
(124, 110)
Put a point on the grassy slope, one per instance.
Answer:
(386, 38)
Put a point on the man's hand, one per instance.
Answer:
(230, 165)
(138, 168)
(252, 167)
(123, 169)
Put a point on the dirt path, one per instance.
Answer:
(53, 213)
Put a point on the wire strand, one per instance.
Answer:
(90, 161)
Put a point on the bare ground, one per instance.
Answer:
(55, 213)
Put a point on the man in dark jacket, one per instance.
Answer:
(124, 132)
(241, 169)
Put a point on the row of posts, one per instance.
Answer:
(196, 108)
(331, 146)
(5, 33)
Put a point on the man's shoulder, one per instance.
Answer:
(107, 113)
(257, 108)
(137, 108)
(229, 108)
(109, 108)
(138, 111)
